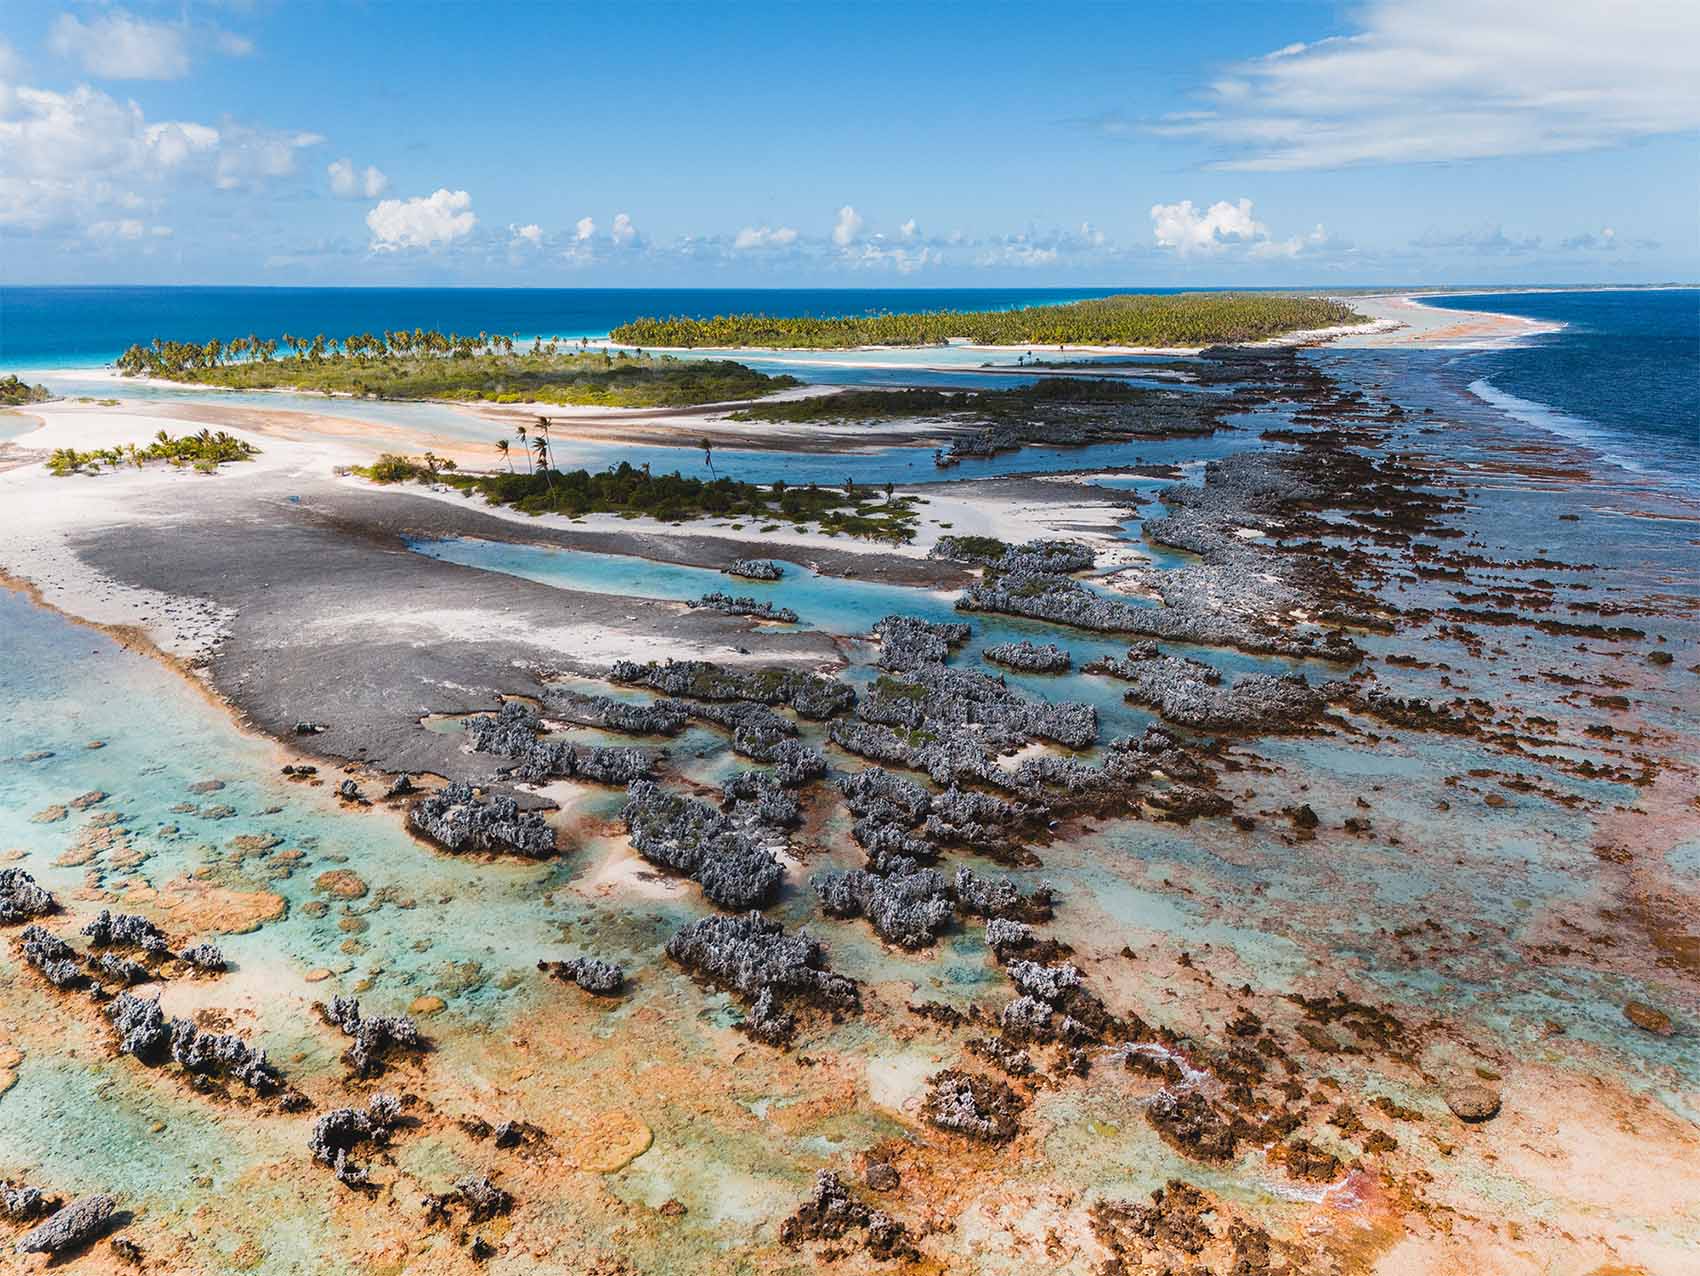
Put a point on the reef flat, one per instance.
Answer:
(1264, 849)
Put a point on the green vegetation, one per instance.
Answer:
(633, 492)
(15, 393)
(1129, 319)
(205, 451)
(1015, 403)
(430, 365)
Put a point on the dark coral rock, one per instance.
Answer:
(907, 908)
(692, 838)
(769, 969)
(78, 1224)
(222, 1054)
(1029, 657)
(376, 1037)
(811, 695)
(979, 1107)
(744, 605)
(127, 931)
(754, 569)
(1000, 897)
(1176, 1222)
(21, 899)
(19, 1203)
(206, 957)
(1191, 1124)
(482, 1198)
(831, 1213)
(340, 1133)
(603, 978)
(53, 957)
(457, 821)
(141, 1026)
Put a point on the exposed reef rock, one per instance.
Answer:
(19, 1202)
(1029, 657)
(1238, 597)
(127, 931)
(831, 1213)
(1000, 897)
(744, 605)
(770, 970)
(78, 1224)
(762, 797)
(603, 978)
(338, 1134)
(765, 736)
(692, 838)
(204, 957)
(53, 957)
(754, 569)
(144, 1032)
(663, 717)
(458, 821)
(981, 1108)
(907, 908)
(375, 1036)
(1188, 692)
(811, 695)
(513, 732)
(21, 899)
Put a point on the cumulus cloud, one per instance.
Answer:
(1445, 80)
(425, 221)
(908, 230)
(584, 229)
(70, 156)
(348, 182)
(531, 234)
(1187, 230)
(847, 227)
(622, 232)
(116, 46)
(752, 237)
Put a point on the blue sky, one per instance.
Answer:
(787, 145)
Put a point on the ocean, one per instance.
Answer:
(1621, 377)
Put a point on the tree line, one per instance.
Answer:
(1127, 319)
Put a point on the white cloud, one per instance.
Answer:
(425, 221)
(116, 46)
(584, 229)
(751, 237)
(69, 157)
(348, 182)
(622, 232)
(1604, 240)
(1445, 80)
(531, 234)
(1186, 230)
(847, 227)
(908, 230)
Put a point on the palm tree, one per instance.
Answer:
(505, 450)
(540, 445)
(520, 430)
(707, 453)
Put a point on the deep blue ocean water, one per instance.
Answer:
(1622, 375)
(82, 327)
